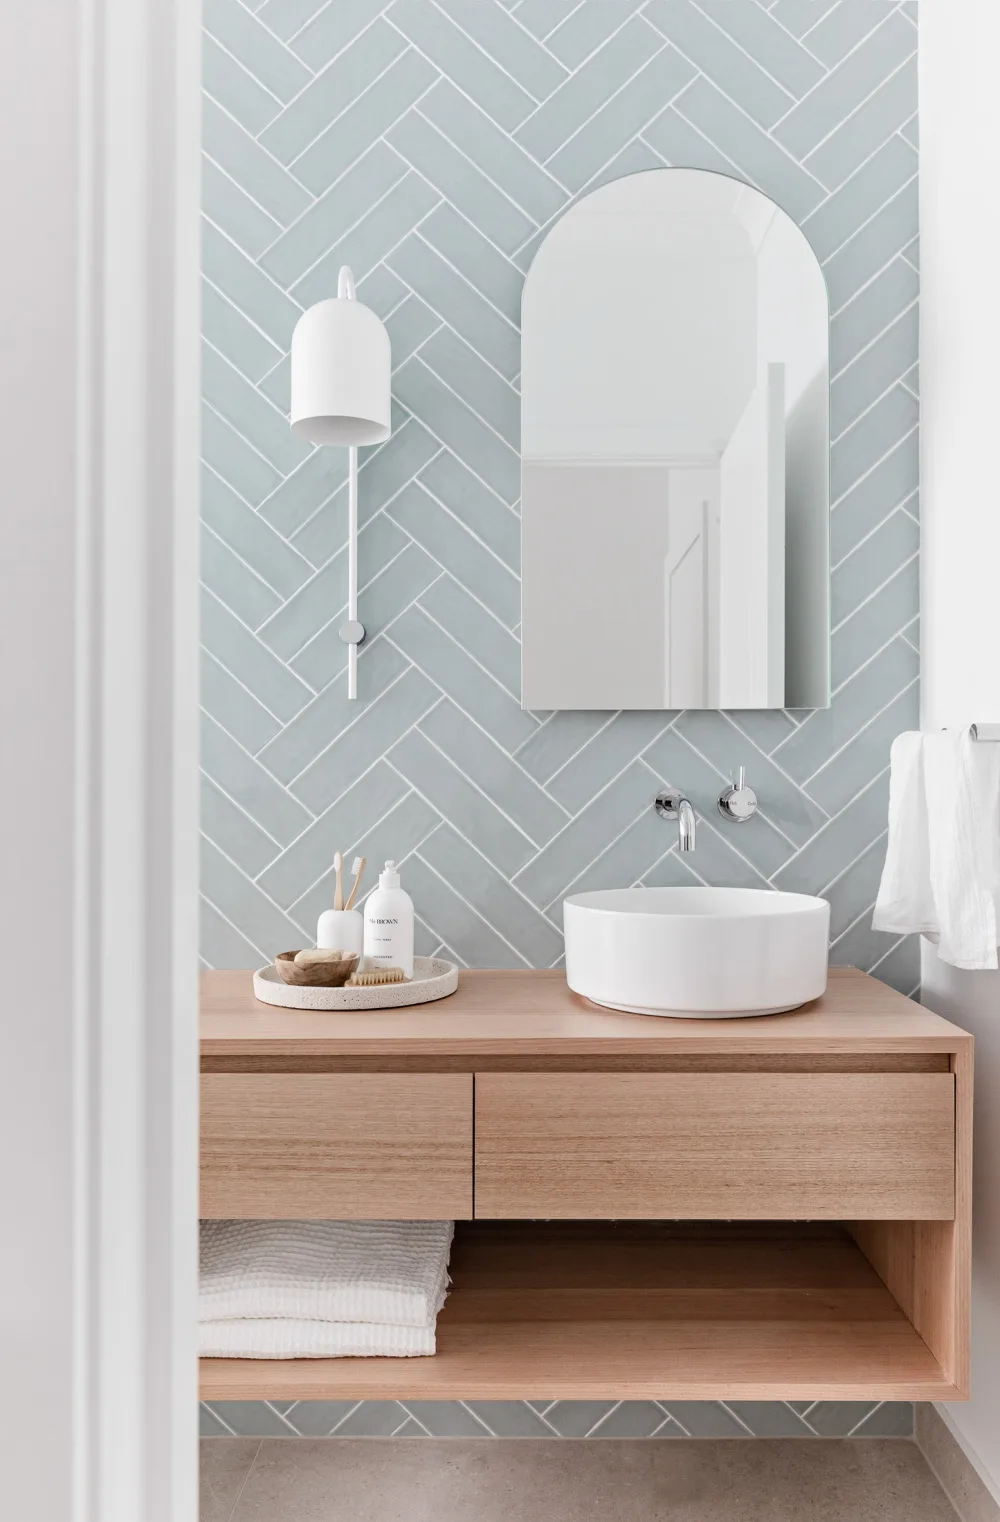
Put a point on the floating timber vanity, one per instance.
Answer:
(771, 1208)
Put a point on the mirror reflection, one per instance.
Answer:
(675, 446)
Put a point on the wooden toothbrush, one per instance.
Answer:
(338, 892)
(357, 869)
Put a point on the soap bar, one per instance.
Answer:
(310, 956)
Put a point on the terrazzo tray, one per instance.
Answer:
(433, 978)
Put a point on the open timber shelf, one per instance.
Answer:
(631, 1310)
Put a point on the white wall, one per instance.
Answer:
(960, 316)
(38, 170)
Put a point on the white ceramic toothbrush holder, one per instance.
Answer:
(343, 928)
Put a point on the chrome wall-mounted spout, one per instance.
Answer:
(673, 805)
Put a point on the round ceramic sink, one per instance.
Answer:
(704, 953)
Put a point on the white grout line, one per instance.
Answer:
(501, 190)
(893, 384)
(897, 507)
(860, 105)
(428, 300)
(762, 809)
(589, 740)
(472, 535)
(250, 74)
(346, 232)
(896, 634)
(257, 144)
(858, 733)
(873, 467)
(476, 788)
(253, 201)
(862, 42)
(279, 849)
(871, 342)
(445, 630)
(333, 120)
(500, 503)
(368, 828)
(235, 928)
(739, 46)
(832, 820)
(340, 734)
(208, 529)
(471, 907)
(880, 588)
(860, 228)
(336, 612)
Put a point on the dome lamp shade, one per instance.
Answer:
(340, 372)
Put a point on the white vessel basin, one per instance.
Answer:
(702, 953)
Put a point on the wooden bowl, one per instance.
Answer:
(318, 975)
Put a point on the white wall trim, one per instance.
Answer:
(100, 161)
(137, 702)
(960, 554)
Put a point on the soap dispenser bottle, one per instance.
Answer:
(389, 924)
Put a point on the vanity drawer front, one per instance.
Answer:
(749, 1146)
(380, 1146)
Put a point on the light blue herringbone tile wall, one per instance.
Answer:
(430, 144)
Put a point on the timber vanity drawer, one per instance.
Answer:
(761, 1209)
(751, 1146)
(359, 1146)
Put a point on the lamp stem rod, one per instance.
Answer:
(352, 568)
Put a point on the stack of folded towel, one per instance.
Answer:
(321, 1289)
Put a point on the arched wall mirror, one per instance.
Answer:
(675, 447)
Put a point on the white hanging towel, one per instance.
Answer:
(942, 869)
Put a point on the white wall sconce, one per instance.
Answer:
(341, 384)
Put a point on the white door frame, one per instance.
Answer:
(98, 654)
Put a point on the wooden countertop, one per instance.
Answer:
(534, 1014)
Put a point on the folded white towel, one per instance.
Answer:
(380, 1272)
(284, 1337)
(942, 870)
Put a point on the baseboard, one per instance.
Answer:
(955, 1471)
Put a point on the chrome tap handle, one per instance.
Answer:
(738, 802)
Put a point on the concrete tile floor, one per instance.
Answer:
(537, 1480)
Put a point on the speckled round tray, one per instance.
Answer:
(432, 979)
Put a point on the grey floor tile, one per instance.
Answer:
(223, 1465)
(524, 1481)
